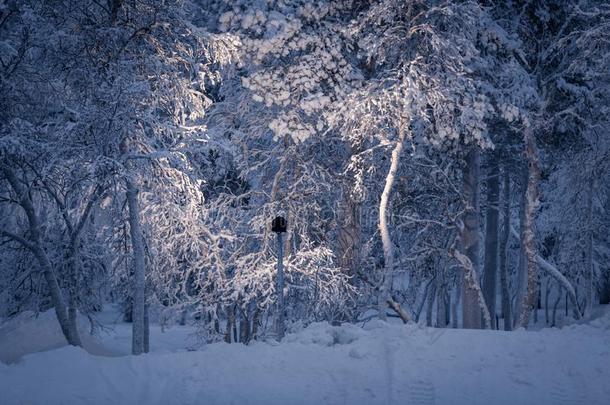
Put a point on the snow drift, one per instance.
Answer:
(378, 364)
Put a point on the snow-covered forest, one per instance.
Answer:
(440, 166)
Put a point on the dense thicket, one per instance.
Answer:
(432, 158)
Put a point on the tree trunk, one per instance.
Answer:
(589, 269)
(35, 246)
(146, 344)
(73, 320)
(73, 258)
(255, 323)
(74, 269)
(279, 289)
(547, 292)
(521, 267)
(430, 306)
(230, 324)
(384, 230)
(244, 327)
(604, 296)
(555, 305)
(349, 234)
(424, 299)
(506, 305)
(529, 246)
(469, 241)
(57, 298)
(442, 313)
(456, 302)
(490, 266)
(537, 304)
(139, 299)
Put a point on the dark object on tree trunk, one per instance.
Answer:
(278, 225)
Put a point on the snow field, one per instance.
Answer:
(378, 364)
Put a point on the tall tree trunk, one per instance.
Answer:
(430, 306)
(34, 244)
(506, 305)
(73, 258)
(521, 267)
(279, 290)
(146, 329)
(255, 323)
(349, 234)
(244, 326)
(490, 266)
(230, 324)
(139, 299)
(73, 320)
(423, 301)
(455, 302)
(589, 268)
(388, 247)
(555, 305)
(469, 242)
(604, 296)
(547, 292)
(442, 313)
(529, 246)
(74, 269)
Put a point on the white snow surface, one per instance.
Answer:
(379, 364)
(29, 333)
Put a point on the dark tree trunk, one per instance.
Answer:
(430, 306)
(244, 327)
(255, 323)
(230, 324)
(146, 329)
(506, 304)
(604, 294)
(490, 266)
(469, 241)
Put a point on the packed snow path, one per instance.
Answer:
(380, 364)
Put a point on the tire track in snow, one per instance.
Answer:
(389, 370)
(421, 392)
(561, 395)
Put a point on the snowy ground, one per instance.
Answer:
(380, 364)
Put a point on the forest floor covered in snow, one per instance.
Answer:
(376, 364)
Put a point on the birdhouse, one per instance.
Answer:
(278, 225)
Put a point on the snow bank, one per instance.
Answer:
(380, 364)
(27, 333)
